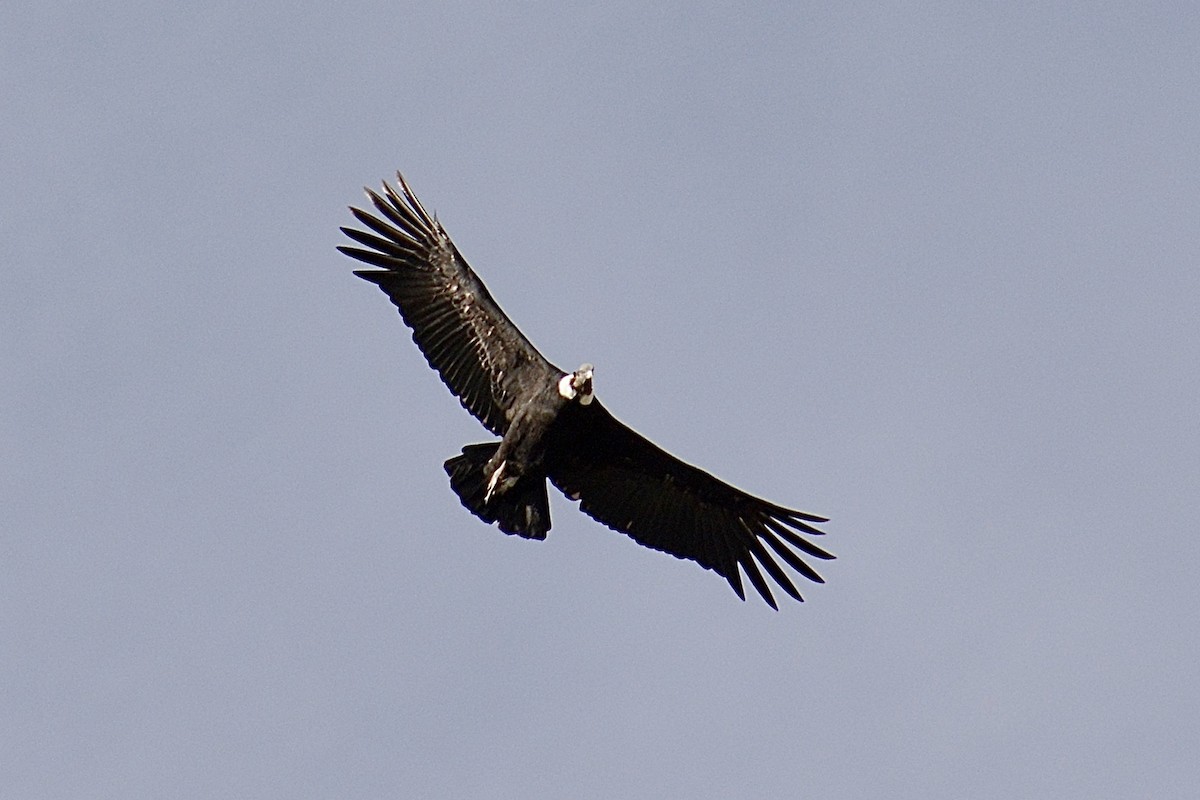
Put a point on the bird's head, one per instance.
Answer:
(577, 385)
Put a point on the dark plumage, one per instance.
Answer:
(551, 426)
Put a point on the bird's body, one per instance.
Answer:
(550, 424)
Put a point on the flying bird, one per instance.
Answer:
(551, 425)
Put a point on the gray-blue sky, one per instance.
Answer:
(930, 269)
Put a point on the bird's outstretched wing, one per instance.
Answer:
(633, 486)
(475, 348)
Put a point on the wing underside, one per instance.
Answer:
(464, 334)
(626, 482)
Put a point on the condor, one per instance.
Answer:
(551, 425)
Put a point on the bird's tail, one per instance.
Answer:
(523, 509)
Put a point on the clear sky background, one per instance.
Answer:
(930, 269)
